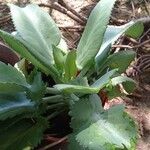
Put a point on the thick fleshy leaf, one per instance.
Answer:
(18, 134)
(14, 104)
(59, 59)
(120, 60)
(37, 89)
(92, 37)
(36, 60)
(111, 35)
(94, 88)
(83, 81)
(11, 79)
(11, 75)
(113, 92)
(114, 89)
(37, 29)
(22, 67)
(67, 88)
(70, 66)
(63, 46)
(104, 80)
(99, 129)
(128, 83)
(12, 87)
(136, 30)
(101, 57)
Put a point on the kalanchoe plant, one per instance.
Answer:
(27, 103)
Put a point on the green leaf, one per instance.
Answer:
(83, 81)
(36, 60)
(128, 83)
(37, 89)
(11, 87)
(22, 66)
(111, 35)
(11, 79)
(11, 75)
(99, 129)
(70, 66)
(113, 92)
(16, 135)
(94, 88)
(136, 30)
(92, 37)
(37, 29)
(18, 47)
(63, 46)
(14, 104)
(120, 60)
(59, 59)
(102, 57)
(66, 88)
(104, 80)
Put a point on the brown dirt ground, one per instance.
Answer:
(137, 104)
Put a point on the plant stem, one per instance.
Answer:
(54, 144)
(52, 90)
(55, 106)
(53, 115)
(53, 99)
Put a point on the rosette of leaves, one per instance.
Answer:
(20, 117)
(27, 104)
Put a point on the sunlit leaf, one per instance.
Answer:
(59, 58)
(70, 66)
(104, 80)
(66, 88)
(97, 129)
(36, 60)
(128, 83)
(120, 60)
(111, 35)
(92, 37)
(63, 46)
(136, 30)
(37, 29)
(11, 79)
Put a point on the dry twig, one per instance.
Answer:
(132, 47)
(5, 19)
(63, 10)
(64, 4)
(78, 28)
(54, 144)
(142, 44)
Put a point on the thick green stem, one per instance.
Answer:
(52, 91)
(53, 99)
(55, 106)
(53, 115)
